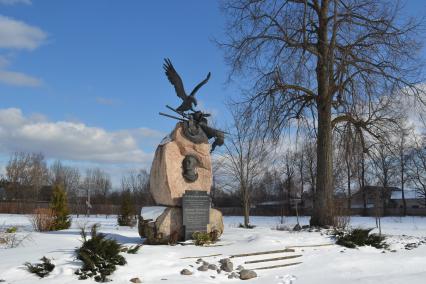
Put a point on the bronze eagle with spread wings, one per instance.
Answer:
(176, 81)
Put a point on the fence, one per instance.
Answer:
(26, 207)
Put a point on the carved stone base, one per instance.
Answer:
(168, 227)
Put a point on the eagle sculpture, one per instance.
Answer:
(176, 81)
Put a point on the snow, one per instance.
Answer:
(325, 264)
(152, 212)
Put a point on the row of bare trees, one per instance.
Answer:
(28, 178)
(253, 169)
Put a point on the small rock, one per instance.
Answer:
(212, 277)
(218, 271)
(240, 267)
(233, 275)
(227, 266)
(191, 265)
(212, 266)
(203, 268)
(135, 280)
(224, 260)
(185, 272)
(383, 251)
(205, 263)
(304, 227)
(247, 274)
(394, 250)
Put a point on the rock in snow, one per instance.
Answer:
(185, 272)
(246, 274)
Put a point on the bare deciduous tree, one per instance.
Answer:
(66, 176)
(26, 173)
(319, 59)
(245, 154)
(97, 183)
(137, 182)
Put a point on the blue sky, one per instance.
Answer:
(99, 63)
(83, 80)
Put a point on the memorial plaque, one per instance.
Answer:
(196, 211)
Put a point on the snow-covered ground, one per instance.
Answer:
(162, 264)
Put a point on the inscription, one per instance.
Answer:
(196, 211)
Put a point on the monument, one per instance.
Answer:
(181, 174)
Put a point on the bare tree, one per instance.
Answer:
(417, 169)
(245, 154)
(402, 148)
(318, 59)
(97, 184)
(26, 173)
(137, 182)
(66, 176)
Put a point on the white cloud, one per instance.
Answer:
(18, 79)
(13, 2)
(68, 140)
(19, 35)
(4, 62)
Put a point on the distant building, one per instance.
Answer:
(412, 197)
(375, 196)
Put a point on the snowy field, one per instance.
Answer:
(162, 264)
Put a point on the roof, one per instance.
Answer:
(408, 194)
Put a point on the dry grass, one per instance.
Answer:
(342, 216)
(43, 219)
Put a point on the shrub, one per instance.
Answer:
(60, 208)
(359, 237)
(11, 230)
(342, 216)
(99, 256)
(41, 269)
(43, 219)
(126, 216)
(201, 238)
(204, 238)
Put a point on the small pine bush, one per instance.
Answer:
(60, 208)
(99, 255)
(359, 237)
(41, 269)
(127, 210)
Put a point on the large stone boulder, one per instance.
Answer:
(167, 228)
(167, 183)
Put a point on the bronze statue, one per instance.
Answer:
(176, 81)
(195, 123)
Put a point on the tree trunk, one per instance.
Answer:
(348, 167)
(404, 202)
(323, 204)
(246, 208)
(364, 194)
